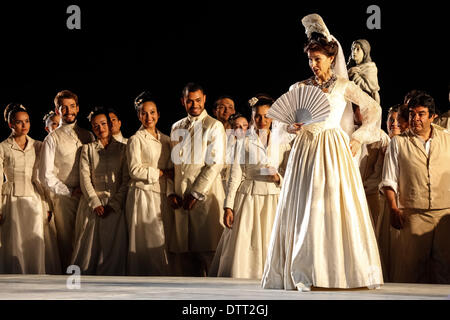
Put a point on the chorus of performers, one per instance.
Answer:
(336, 204)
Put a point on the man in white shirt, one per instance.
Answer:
(59, 170)
(198, 193)
(416, 182)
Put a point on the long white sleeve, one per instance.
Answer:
(369, 131)
(46, 168)
(390, 167)
(138, 170)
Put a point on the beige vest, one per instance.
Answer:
(424, 181)
(67, 153)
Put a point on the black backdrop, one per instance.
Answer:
(236, 48)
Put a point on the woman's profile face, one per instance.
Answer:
(357, 53)
(320, 64)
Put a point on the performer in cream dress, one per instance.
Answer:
(322, 234)
(251, 198)
(149, 215)
(23, 209)
(100, 229)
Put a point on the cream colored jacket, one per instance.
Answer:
(198, 159)
(19, 168)
(249, 172)
(148, 155)
(104, 174)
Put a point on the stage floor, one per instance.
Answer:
(30, 287)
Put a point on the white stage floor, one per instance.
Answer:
(42, 287)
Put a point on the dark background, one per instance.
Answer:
(236, 48)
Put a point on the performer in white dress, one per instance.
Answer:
(251, 198)
(22, 214)
(149, 215)
(322, 234)
(100, 229)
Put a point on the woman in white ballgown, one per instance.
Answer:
(23, 214)
(149, 215)
(251, 199)
(322, 234)
(100, 230)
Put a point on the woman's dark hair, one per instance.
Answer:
(318, 42)
(263, 100)
(11, 110)
(49, 115)
(97, 111)
(403, 112)
(236, 116)
(424, 100)
(143, 97)
(394, 108)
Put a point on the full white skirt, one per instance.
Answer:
(242, 250)
(322, 234)
(148, 220)
(22, 246)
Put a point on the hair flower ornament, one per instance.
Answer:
(252, 101)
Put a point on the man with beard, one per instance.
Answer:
(198, 193)
(59, 170)
(417, 175)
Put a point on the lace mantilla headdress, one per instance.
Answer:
(314, 23)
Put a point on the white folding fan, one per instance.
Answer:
(305, 104)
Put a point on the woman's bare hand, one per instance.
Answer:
(100, 210)
(294, 128)
(355, 145)
(228, 218)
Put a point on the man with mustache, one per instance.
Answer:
(416, 182)
(198, 152)
(59, 170)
